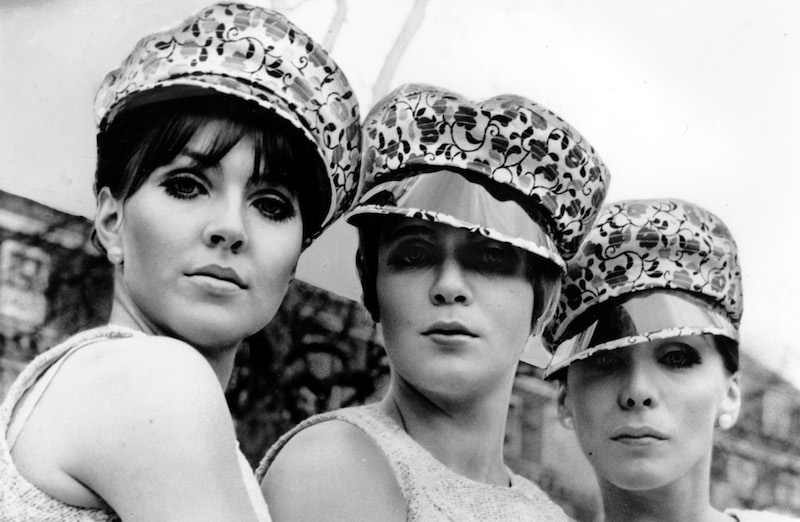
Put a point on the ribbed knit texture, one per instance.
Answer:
(433, 492)
(746, 515)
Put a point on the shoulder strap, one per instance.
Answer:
(34, 393)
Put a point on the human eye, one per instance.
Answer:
(409, 255)
(493, 258)
(679, 356)
(604, 361)
(275, 206)
(183, 185)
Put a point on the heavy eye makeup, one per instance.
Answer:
(410, 253)
(183, 177)
(678, 356)
(276, 204)
(273, 201)
(184, 185)
(604, 361)
(490, 257)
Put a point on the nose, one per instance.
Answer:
(638, 389)
(451, 285)
(226, 227)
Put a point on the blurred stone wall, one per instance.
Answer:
(319, 353)
(53, 283)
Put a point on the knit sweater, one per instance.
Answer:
(432, 491)
(746, 515)
(21, 500)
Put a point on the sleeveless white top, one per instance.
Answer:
(747, 515)
(22, 501)
(433, 492)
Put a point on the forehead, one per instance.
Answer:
(698, 342)
(213, 141)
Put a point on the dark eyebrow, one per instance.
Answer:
(402, 231)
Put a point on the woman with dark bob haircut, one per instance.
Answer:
(469, 211)
(225, 145)
(646, 353)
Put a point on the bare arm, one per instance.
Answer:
(332, 471)
(143, 425)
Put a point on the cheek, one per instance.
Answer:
(588, 407)
(511, 307)
(590, 402)
(276, 254)
(395, 294)
(697, 407)
(402, 303)
(150, 241)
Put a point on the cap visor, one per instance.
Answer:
(447, 197)
(646, 316)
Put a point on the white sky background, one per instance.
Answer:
(692, 99)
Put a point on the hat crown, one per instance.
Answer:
(506, 142)
(258, 55)
(640, 245)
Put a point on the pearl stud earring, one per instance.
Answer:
(725, 421)
(114, 255)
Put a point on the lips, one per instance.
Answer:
(448, 328)
(633, 434)
(223, 274)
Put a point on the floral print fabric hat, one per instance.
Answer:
(257, 55)
(506, 168)
(650, 269)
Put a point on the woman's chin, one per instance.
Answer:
(632, 474)
(640, 480)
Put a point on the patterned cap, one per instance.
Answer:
(254, 54)
(518, 151)
(649, 269)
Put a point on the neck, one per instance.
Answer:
(222, 362)
(684, 500)
(125, 313)
(465, 435)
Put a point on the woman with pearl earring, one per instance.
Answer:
(645, 344)
(225, 145)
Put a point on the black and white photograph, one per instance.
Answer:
(399, 260)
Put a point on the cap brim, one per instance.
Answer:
(646, 316)
(447, 197)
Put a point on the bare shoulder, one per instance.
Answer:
(139, 418)
(113, 386)
(118, 385)
(142, 390)
(332, 471)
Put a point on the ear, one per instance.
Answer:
(732, 400)
(565, 415)
(108, 219)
